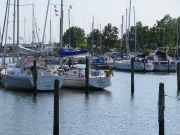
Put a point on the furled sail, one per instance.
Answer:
(25, 51)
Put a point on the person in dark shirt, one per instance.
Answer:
(70, 62)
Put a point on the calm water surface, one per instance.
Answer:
(113, 111)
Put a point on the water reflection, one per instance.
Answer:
(132, 96)
(147, 73)
(81, 91)
(34, 98)
(178, 91)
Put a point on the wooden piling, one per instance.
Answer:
(56, 108)
(168, 66)
(144, 65)
(35, 78)
(178, 76)
(132, 74)
(87, 75)
(161, 104)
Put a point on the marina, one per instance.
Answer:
(114, 110)
(71, 80)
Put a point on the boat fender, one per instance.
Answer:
(75, 72)
(82, 75)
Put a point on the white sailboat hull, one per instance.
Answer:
(94, 82)
(47, 82)
(26, 82)
(158, 67)
(16, 82)
(122, 65)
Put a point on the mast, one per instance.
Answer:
(126, 31)
(17, 55)
(24, 30)
(61, 40)
(134, 29)
(69, 27)
(50, 27)
(129, 25)
(177, 40)
(50, 33)
(4, 26)
(6, 31)
(61, 31)
(61, 24)
(92, 35)
(14, 27)
(100, 40)
(164, 37)
(32, 24)
(0, 34)
(121, 32)
(45, 26)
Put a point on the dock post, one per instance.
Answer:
(56, 108)
(132, 74)
(168, 66)
(35, 78)
(161, 104)
(87, 75)
(144, 65)
(178, 76)
(46, 61)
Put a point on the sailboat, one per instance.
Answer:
(21, 77)
(75, 76)
(140, 63)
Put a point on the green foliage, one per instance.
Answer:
(96, 37)
(77, 37)
(163, 33)
(110, 34)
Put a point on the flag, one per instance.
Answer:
(70, 7)
(56, 14)
(56, 10)
(55, 6)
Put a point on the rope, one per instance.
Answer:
(172, 97)
(169, 96)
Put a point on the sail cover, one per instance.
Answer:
(25, 51)
(67, 53)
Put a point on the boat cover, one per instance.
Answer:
(25, 51)
(67, 53)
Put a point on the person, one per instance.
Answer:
(111, 71)
(69, 62)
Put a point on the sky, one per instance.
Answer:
(81, 15)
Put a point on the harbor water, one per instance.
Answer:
(112, 111)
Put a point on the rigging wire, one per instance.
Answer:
(83, 15)
(73, 25)
(87, 13)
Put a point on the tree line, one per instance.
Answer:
(163, 33)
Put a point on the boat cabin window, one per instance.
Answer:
(11, 73)
(144, 60)
(150, 58)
